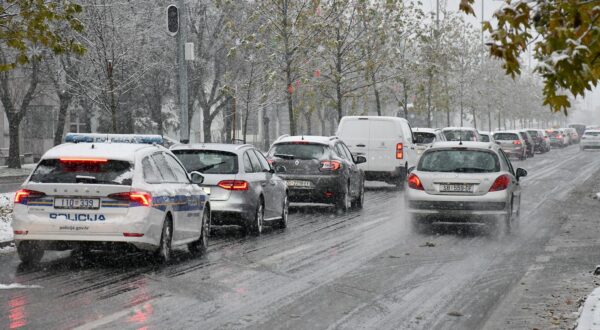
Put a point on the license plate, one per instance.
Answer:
(456, 187)
(298, 183)
(206, 190)
(77, 203)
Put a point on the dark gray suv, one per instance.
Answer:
(319, 169)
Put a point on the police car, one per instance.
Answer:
(98, 191)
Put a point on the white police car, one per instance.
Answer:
(97, 191)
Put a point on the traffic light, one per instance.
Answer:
(172, 20)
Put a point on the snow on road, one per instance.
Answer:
(18, 286)
(590, 314)
(6, 205)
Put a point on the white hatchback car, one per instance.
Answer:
(464, 182)
(590, 139)
(97, 192)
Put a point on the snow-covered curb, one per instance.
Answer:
(6, 205)
(18, 286)
(590, 313)
(25, 170)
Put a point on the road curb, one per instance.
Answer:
(6, 244)
(590, 313)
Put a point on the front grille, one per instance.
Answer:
(471, 206)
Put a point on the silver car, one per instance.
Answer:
(590, 139)
(487, 137)
(243, 187)
(464, 182)
(512, 144)
(425, 137)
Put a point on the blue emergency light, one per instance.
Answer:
(113, 138)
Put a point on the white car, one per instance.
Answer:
(487, 137)
(425, 137)
(386, 143)
(461, 133)
(464, 182)
(95, 191)
(590, 139)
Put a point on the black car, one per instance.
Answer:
(529, 142)
(540, 139)
(319, 169)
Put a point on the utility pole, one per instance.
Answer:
(184, 129)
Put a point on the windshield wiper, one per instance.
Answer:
(285, 156)
(208, 167)
(469, 170)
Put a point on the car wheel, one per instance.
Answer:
(282, 223)
(360, 200)
(30, 252)
(200, 246)
(256, 226)
(420, 224)
(343, 200)
(164, 252)
(523, 156)
(508, 221)
(401, 179)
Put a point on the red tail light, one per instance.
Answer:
(517, 142)
(330, 165)
(414, 182)
(133, 234)
(142, 198)
(83, 160)
(399, 151)
(501, 183)
(559, 136)
(236, 185)
(23, 194)
(21, 232)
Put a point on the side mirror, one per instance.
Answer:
(410, 169)
(360, 159)
(271, 170)
(521, 173)
(498, 143)
(196, 177)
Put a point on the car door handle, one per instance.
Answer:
(361, 145)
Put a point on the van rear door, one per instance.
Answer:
(386, 145)
(355, 132)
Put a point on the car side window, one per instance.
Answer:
(263, 161)
(507, 161)
(256, 167)
(177, 169)
(347, 152)
(163, 168)
(247, 163)
(409, 134)
(150, 173)
(340, 151)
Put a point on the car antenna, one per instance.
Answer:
(460, 139)
(302, 137)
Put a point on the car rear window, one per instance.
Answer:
(460, 161)
(592, 134)
(506, 136)
(457, 135)
(116, 172)
(208, 161)
(484, 137)
(533, 133)
(298, 151)
(424, 137)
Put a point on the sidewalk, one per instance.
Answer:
(6, 234)
(15, 174)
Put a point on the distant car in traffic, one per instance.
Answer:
(425, 137)
(573, 135)
(580, 128)
(511, 143)
(540, 139)
(243, 187)
(486, 137)
(464, 182)
(558, 138)
(386, 142)
(319, 169)
(98, 192)
(461, 134)
(529, 143)
(590, 139)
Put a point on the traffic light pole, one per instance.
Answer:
(184, 125)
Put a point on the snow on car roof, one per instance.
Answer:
(459, 128)
(306, 138)
(211, 146)
(464, 144)
(115, 151)
(425, 129)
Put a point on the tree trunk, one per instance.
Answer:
(206, 124)
(14, 150)
(307, 115)
(377, 98)
(405, 91)
(64, 101)
(474, 117)
(490, 120)
(266, 134)
(429, 110)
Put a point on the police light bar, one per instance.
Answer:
(113, 138)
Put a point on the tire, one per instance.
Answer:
(256, 225)
(507, 225)
(523, 156)
(342, 202)
(420, 225)
(164, 253)
(282, 223)
(200, 246)
(401, 179)
(30, 252)
(359, 202)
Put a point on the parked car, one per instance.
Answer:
(244, 189)
(590, 139)
(425, 137)
(540, 139)
(466, 182)
(97, 191)
(319, 169)
(487, 137)
(461, 133)
(528, 142)
(386, 142)
(558, 138)
(512, 144)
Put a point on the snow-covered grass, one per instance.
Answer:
(24, 170)
(6, 205)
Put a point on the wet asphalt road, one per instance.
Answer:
(363, 269)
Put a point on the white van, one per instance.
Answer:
(386, 142)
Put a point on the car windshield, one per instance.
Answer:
(424, 137)
(506, 136)
(116, 172)
(533, 133)
(460, 161)
(298, 151)
(208, 161)
(592, 134)
(484, 137)
(457, 135)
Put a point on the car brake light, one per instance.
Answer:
(142, 198)
(399, 151)
(501, 183)
(23, 194)
(415, 183)
(330, 165)
(517, 142)
(20, 232)
(133, 234)
(559, 136)
(236, 185)
(83, 160)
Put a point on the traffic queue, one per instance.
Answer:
(107, 191)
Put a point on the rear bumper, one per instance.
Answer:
(324, 188)
(385, 176)
(231, 212)
(492, 204)
(589, 144)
